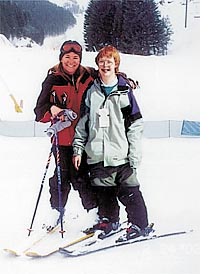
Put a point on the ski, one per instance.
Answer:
(35, 254)
(98, 236)
(78, 253)
(49, 243)
(17, 253)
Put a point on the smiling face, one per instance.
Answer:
(109, 53)
(106, 66)
(70, 62)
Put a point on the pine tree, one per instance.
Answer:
(13, 19)
(134, 27)
(33, 19)
(99, 24)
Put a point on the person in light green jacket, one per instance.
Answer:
(110, 132)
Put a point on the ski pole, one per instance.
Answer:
(59, 183)
(41, 188)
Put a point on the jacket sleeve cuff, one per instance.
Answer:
(77, 151)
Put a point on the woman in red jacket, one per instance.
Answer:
(62, 90)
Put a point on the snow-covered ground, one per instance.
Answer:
(170, 183)
(169, 172)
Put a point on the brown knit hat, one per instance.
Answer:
(70, 46)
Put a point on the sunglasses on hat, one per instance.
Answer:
(71, 46)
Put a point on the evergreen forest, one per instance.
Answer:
(33, 19)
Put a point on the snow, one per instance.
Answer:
(82, 3)
(169, 172)
(4, 42)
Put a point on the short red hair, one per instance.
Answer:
(109, 51)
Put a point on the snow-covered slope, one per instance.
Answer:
(170, 184)
(4, 42)
(169, 84)
(169, 172)
(61, 3)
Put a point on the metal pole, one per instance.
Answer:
(61, 210)
(186, 12)
(41, 188)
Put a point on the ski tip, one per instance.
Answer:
(11, 252)
(64, 251)
(72, 253)
(32, 254)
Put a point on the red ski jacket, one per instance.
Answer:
(64, 91)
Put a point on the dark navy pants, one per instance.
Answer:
(70, 176)
(118, 183)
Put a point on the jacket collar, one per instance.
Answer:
(121, 87)
(58, 70)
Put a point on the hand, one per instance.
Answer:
(55, 111)
(76, 161)
(133, 84)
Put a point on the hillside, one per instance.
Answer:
(33, 19)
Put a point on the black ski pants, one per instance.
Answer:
(118, 183)
(70, 176)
